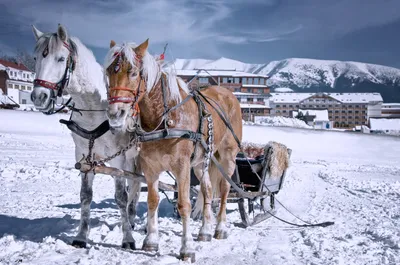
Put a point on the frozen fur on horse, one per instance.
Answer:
(88, 91)
(145, 91)
(277, 159)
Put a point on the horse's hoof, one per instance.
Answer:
(188, 256)
(79, 244)
(150, 247)
(129, 245)
(220, 234)
(204, 237)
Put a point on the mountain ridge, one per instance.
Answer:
(313, 75)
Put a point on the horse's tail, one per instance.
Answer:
(215, 178)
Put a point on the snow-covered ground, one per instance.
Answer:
(350, 178)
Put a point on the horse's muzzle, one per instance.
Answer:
(41, 98)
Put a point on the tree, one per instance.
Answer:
(22, 56)
(301, 116)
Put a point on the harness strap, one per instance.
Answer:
(169, 134)
(93, 134)
(222, 116)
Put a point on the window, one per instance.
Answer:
(336, 117)
(23, 87)
(24, 75)
(284, 106)
(249, 90)
(357, 122)
(255, 81)
(260, 90)
(278, 106)
(24, 101)
(224, 80)
(261, 81)
(356, 111)
(237, 80)
(249, 99)
(336, 111)
(290, 106)
(260, 99)
(244, 80)
(297, 106)
(249, 81)
(203, 80)
(16, 86)
(10, 85)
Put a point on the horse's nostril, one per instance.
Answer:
(43, 96)
(33, 96)
(122, 112)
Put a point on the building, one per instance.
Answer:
(385, 126)
(391, 110)
(234, 80)
(16, 81)
(346, 110)
(250, 89)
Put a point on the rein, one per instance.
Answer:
(60, 85)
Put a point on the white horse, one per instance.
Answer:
(65, 66)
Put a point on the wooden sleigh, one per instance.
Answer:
(260, 174)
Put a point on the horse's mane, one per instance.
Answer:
(50, 40)
(151, 69)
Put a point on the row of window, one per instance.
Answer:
(19, 74)
(21, 87)
(236, 80)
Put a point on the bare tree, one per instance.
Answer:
(22, 57)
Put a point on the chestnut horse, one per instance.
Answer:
(139, 95)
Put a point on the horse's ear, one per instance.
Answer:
(142, 48)
(62, 33)
(112, 43)
(37, 33)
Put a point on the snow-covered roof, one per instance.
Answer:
(320, 115)
(394, 106)
(385, 124)
(209, 73)
(250, 85)
(283, 89)
(253, 106)
(342, 97)
(250, 94)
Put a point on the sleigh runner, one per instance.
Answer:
(259, 174)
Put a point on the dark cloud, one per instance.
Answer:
(249, 30)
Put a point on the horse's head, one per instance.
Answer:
(55, 61)
(128, 80)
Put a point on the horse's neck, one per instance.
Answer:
(87, 94)
(152, 108)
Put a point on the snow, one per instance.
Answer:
(208, 73)
(387, 126)
(333, 176)
(251, 85)
(253, 106)
(283, 89)
(280, 121)
(341, 97)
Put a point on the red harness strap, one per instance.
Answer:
(135, 105)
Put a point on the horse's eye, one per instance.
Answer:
(62, 59)
(34, 58)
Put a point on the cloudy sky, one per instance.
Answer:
(253, 31)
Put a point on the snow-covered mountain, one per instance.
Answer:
(310, 75)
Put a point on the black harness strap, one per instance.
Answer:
(169, 134)
(94, 134)
(223, 118)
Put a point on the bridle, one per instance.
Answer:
(134, 99)
(60, 85)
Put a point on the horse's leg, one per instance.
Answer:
(86, 196)
(184, 208)
(133, 199)
(134, 188)
(204, 202)
(150, 243)
(228, 162)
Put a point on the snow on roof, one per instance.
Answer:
(250, 85)
(13, 65)
(253, 106)
(320, 115)
(209, 73)
(342, 97)
(283, 89)
(390, 105)
(250, 94)
(385, 124)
